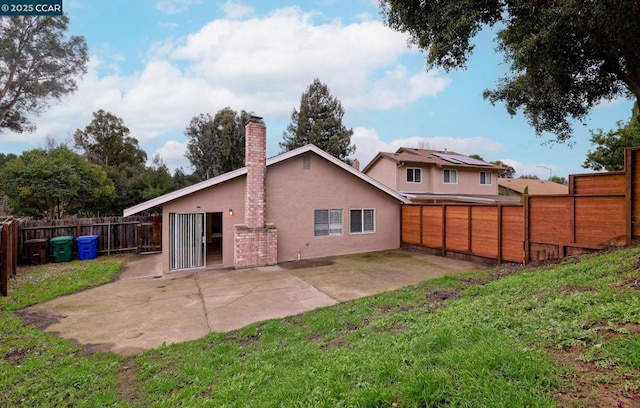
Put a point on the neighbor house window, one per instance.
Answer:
(327, 222)
(485, 178)
(363, 221)
(450, 177)
(414, 175)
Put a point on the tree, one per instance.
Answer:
(106, 141)
(507, 172)
(216, 145)
(558, 179)
(54, 184)
(37, 65)
(156, 179)
(529, 177)
(565, 56)
(319, 122)
(609, 153)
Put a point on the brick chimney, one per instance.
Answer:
(356, 164)
(255, 160)
(256, 242)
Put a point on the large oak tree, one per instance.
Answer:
(565, 56)
(37, 65)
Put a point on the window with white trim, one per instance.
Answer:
(450, 176)
(362, 221)
(414, 175)
(485, 178)
(327, 222)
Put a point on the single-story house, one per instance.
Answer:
(516, 187)
(424, 175)
(300, 204)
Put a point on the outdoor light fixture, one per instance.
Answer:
(231, 212)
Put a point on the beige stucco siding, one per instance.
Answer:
(468, 182)
(219, 198)
(294, 193)
(425, 184)
(384, 170)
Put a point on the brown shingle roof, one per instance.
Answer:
(426, 156)
(536, 187)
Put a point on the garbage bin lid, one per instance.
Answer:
(86, 238)
(36, 240)
(62, 239)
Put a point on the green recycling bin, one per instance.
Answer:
(62, 248)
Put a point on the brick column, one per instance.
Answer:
(256, 242)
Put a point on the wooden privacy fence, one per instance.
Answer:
(115, 234)
(600, 210)
(8, 252)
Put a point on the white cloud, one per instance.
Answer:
(368, 144)
(172, 153)
(260, 64)
(175, 6)
(540, 169)
(236, 10)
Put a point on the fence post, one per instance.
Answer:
(4, 270)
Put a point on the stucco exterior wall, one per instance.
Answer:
(219, 198)
(425, 185)
(384, 170)
(468, 182)
(293, 194)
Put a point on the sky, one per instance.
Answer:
(158, 63)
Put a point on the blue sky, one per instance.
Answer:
(158, 63)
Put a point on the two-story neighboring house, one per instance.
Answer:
(423, 175)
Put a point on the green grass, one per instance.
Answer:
(465, 341)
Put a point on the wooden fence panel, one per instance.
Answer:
(599, 220)
(8, 253)
(484, 231)
(411, 222)
(598, 183)
(512, 228)
(432, 226)
(549, 219)
(457, 226)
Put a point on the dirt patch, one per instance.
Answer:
(592, 386)
(18, 355)
(307, 263)
(569, 289)
(129, 388)
(632, 283)
(39, 319)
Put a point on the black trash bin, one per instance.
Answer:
(37, 250)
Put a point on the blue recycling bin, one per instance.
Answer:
(87, 247)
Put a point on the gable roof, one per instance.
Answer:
(536, 187)
(154, 202)
(435, 157)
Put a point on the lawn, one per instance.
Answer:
(565, 334)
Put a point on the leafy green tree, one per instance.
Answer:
(319, 122)
(609, 153)
(216, 144)
(529, 177)
(558, 179)
(182, 180)
(54, 184)
(157, 179)
(106, 141)
(565, 56)
(37, 65)
(508, 172)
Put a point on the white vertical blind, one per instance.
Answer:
(185, 240)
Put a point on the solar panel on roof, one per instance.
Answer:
(457, 159)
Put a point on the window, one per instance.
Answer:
(363, 221)
(414, 175)
(327, 222)
(450, 177)
(485, 178)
